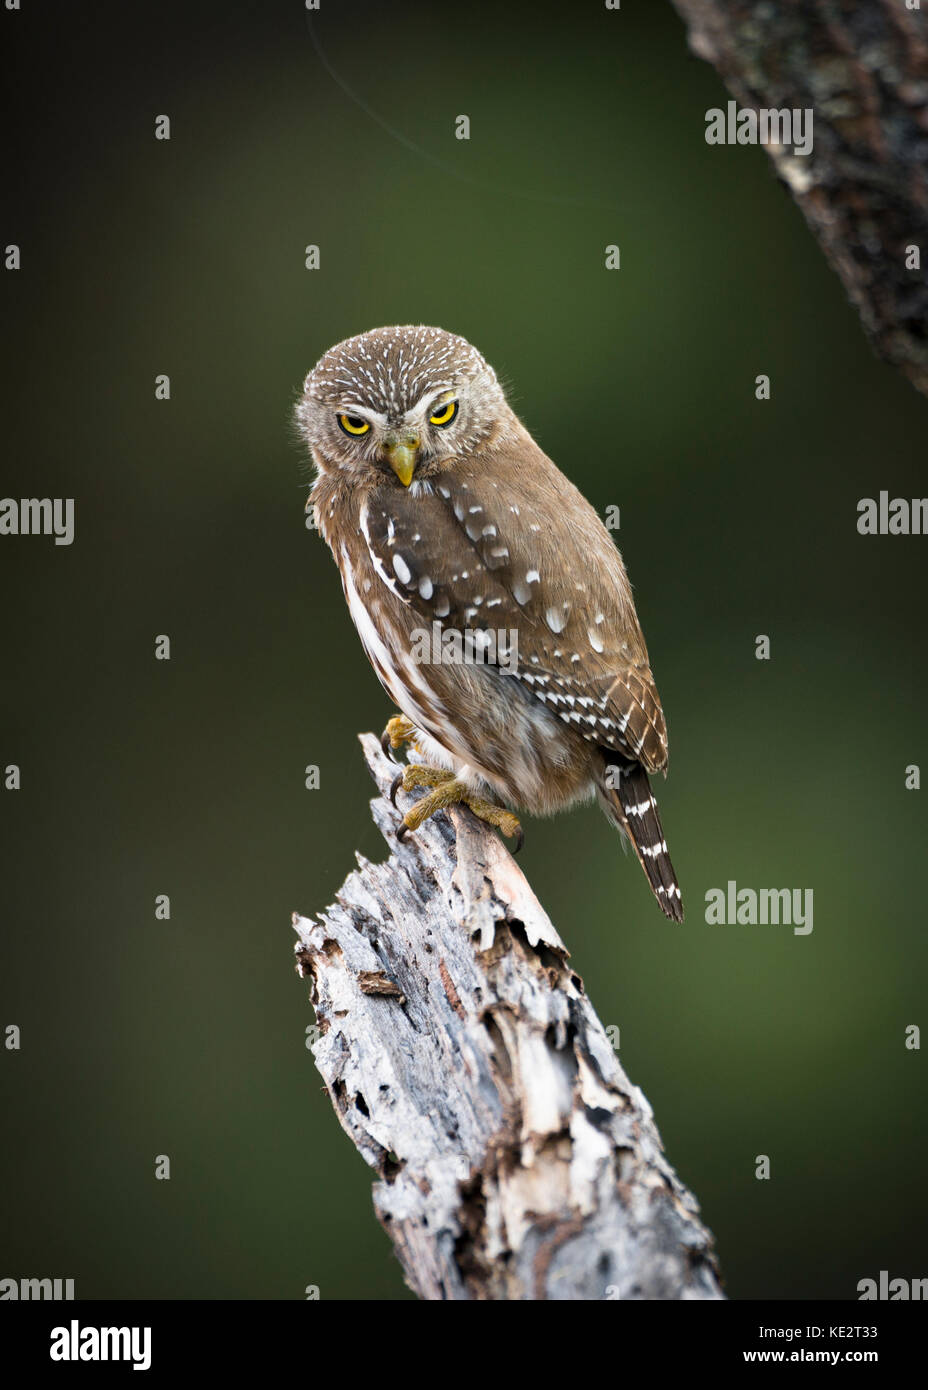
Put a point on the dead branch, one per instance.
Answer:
(516, 1159)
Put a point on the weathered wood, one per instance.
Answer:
(862, 67)
(516, 1159)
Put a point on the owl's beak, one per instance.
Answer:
(402, 456)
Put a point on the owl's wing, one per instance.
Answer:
(507, 544)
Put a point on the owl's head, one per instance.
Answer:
(399, 403)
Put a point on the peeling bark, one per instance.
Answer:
(863, 69)
(463, 1059)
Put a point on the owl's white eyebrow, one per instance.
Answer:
(365, 412)
(430, 398)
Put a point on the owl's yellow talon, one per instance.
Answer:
(448, 791)
(417, 775)
(399, 730)
(497, 815)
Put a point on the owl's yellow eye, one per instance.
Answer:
(444, 414)
(353, 424)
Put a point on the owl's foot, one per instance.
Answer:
(448, 791)
(497, 815)
(399, 730)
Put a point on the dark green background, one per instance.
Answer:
(141, 777)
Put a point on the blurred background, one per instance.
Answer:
(186, 777)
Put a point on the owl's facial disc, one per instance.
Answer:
(401, 452)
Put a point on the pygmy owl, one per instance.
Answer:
(487, 593)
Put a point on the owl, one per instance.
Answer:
(487, 593)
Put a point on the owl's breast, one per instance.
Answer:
(491, 729)
(385, 629)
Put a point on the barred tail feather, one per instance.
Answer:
(629, 803)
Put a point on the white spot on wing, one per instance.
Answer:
(375, 559)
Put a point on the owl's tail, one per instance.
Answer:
(629, 803)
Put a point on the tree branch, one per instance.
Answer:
(516, 1159)
(863, 69)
